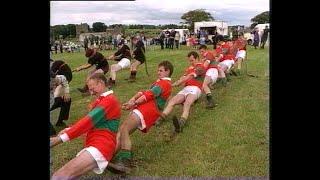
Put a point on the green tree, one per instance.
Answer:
(260, 19)
(71, 30)
(195, 16)
(98, 27)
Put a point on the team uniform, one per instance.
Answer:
(101, 125)
(156, 98)
(123, 56)
(212, 70)
(102, 65)
(194, 85)
(228, 59)
(139, 51)
(241, 43)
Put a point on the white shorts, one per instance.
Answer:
(124, 63)
(241, 54)
(227, 63)
(142, 123)
(213, 73)
(191, 90)
(98, 157)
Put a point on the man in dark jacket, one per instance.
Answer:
(139, 58)
(123, 56)
(264, 37)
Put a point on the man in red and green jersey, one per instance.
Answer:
(211, 65)
(101, 127)
(146, 108)
(192, 80)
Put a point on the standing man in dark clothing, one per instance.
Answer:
(264, 37)
(61, 98)
(161, 38)
(61, 47)
(56, 47)
(171, 38)
(214, 39)
(139, 57)
(97, 59)
(256, 38)
(167, 34)
(86, 41)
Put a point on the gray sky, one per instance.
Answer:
(155, 12)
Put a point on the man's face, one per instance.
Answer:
(202, 51)
(135, 41)
(192, 60)
(162, 72)
(96, 87)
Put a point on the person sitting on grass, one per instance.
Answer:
(225, 57)
(211, 77)
(145, 107)
(240, 45)
(192, 81)
(101, 127)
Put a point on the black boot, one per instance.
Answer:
(233, 72)
(228, 77)
(210, 102)
(178, 124)
(132, 77)
(52, 130)
(121, 163)
(111, 83)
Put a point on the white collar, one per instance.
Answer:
(166, 78)
(107, 93)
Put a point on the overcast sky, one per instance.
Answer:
(154, 12)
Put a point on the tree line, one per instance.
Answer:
(188, 18)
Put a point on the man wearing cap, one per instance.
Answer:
(94, 58)
(123, 57)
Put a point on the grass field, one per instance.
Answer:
(232, 140)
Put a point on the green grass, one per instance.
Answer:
(230, 140)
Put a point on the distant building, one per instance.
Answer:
(239, 28)
(81, 28)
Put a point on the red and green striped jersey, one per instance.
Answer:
(210, 56)
(102, 120)
(198, 71)
(159, 91)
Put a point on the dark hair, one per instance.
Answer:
(59, 67)
(99, 77)
(220, 38)
(167, 65)
(121, 42)
(194, 54)
(89, 52)
(203, 47)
